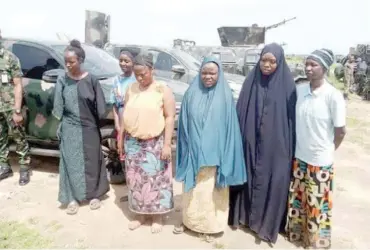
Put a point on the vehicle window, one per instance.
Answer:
(228, 57)
(163, 61)
(252, 58)
(190, 61)
(98, 62)
(34, 61)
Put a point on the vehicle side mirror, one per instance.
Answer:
(51, 76)
(178, 69)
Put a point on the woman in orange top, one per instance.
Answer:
(146, 128)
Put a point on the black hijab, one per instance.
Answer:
(267, 100)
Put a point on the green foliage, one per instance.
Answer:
(15, 235)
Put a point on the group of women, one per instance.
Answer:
(265, 163)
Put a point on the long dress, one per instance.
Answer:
(82, 172)
(266, 110)
(209, 154)
(149, 178)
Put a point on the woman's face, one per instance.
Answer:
(209, 74)
(71, 62)
(143, 74)
(314, 71)
(268, 64)
(125, 63)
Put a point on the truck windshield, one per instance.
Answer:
(98, 62)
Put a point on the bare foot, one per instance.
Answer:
(135, 224)
(157, 224)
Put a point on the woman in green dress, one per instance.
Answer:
(79, 104)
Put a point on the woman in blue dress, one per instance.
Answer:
(121, 82)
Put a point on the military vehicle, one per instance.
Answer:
(174, 64)
(226, 56)
(248, 40)
(42, 62)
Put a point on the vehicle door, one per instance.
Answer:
(38, 95)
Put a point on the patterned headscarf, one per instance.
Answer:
(324, 57)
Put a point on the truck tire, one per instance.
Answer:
(115, 169)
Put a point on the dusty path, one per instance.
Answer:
(36, 206)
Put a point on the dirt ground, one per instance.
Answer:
(36, 206)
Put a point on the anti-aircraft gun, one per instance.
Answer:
(246, 42)
(97, 28)
(183, 44)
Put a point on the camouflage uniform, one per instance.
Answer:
(348, 76)
(9, 69)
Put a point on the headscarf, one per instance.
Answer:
(275, 96)
(209, 133)
(128, 53)
(324, 57)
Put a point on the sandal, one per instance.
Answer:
(72, 208)
(179, 229)
(123, 198)
(94, 204)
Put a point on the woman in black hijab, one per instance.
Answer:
(266, 112)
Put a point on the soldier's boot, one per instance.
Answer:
(5, 171)
(24, 176)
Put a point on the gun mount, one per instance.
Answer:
(97, 28)
(247, 36)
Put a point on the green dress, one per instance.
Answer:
(79, 105)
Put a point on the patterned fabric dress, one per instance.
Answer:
(149, 178)
(310, 205)
(82, 172)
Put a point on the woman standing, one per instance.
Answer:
(209, 151)
(147, 127)
(79, 104)
(321, 119)
(266, 111)
(120, 85)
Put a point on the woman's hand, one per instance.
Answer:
(120, 147)
(166, 153)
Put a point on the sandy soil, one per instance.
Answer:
(36, 205)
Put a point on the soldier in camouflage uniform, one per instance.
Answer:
(11, 119)
(349, 68)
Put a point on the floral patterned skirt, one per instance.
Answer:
(149, 179)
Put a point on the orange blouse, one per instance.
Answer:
(143, 115)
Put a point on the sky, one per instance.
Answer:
(331, 24)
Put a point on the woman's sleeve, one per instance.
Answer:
(292, 101)
(58, 106)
